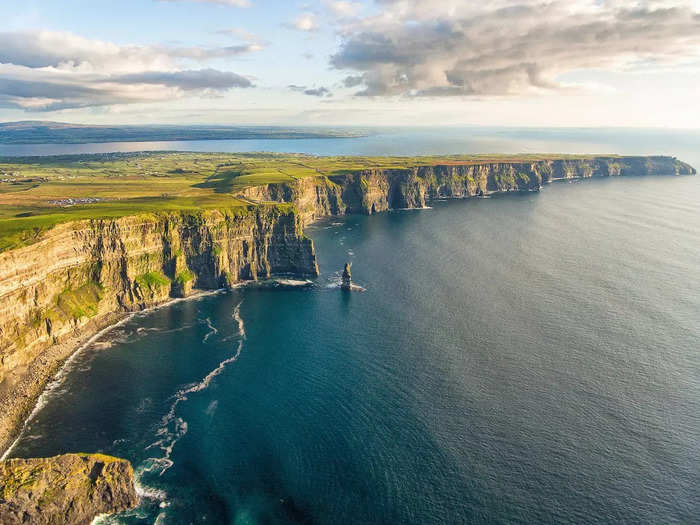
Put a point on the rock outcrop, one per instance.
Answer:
(64, 490)
(80, 274)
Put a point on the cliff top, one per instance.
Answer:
(37, 193)
(71, 489)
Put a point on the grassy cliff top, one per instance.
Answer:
(39, 192)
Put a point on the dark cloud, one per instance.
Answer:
(313, 92)
(188, 80)
(448, 47)
(353, 81)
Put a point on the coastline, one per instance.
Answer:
(20, 400)
(17, 410)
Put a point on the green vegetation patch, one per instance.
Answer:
(152, 280)
(184, 277)
(79, 302)
(20, 478)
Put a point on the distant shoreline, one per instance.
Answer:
(30, 133)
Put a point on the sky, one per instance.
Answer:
(580, 63)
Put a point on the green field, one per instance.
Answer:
(35, 192)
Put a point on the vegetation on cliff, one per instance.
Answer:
(69, 490)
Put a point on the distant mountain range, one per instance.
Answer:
(43, 132)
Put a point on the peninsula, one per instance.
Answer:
(86, 239)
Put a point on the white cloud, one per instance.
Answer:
(304, 22)
(452, 47)
(343, 8)
(48, 70)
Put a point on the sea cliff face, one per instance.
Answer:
(79, 275)
(372, 191)
(69, 283)
(71, 489)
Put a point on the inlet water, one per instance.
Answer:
(519, 359)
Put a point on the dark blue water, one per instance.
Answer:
(520, 359)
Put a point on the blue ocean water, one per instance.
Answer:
(527, 358)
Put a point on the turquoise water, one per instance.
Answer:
(519, 359)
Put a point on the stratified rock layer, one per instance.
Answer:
(64, 490)
(373, 191)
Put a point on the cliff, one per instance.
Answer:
(375, 190)
(68, 490)
(80, 274)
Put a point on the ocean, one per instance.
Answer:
(524, 358)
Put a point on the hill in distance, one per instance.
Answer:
(46, 132)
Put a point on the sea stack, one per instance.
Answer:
(346, 283)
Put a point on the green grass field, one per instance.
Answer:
(34, 191)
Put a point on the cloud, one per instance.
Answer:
(241, 34)
(233, 3)
(456, 48)
(46, 70)
(304, 22)
(313, 92)
(203, 53)
(192, 80)
(250, 42)
(343, 8)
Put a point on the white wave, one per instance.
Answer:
(100, 519)
(103, 345)
(53, 387)
(239, 321)
(173, 428)
(212, 330)
(59, 378)
(144, 491)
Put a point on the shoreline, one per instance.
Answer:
(20, 401)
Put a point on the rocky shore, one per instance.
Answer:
(84, 276)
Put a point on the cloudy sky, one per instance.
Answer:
(353, 62)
